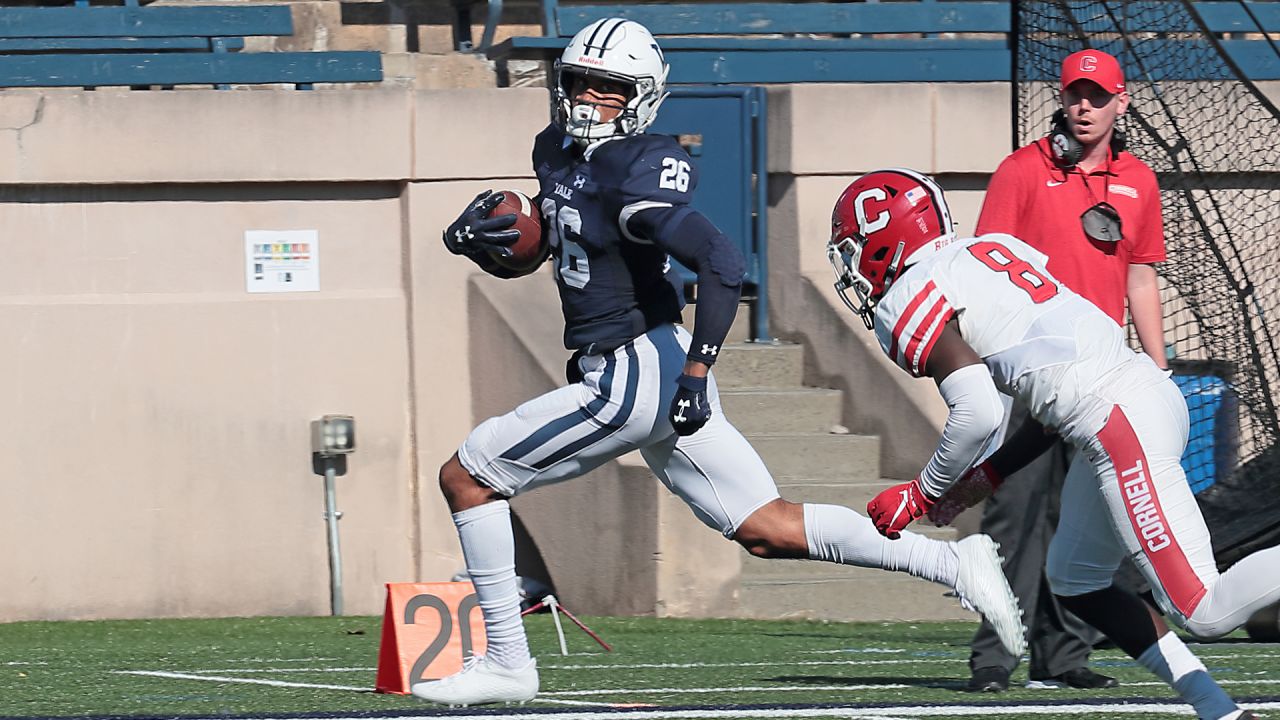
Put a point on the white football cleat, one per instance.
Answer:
(480, 682)
(982, 586)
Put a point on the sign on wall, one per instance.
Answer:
(281, 261)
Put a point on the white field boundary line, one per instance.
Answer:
(687, 666)
(282, 683)
(705, 691)
(612, 692)
(852, 713)
(632, 666)
(823, 688)
(246, 681)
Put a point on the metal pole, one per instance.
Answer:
(331, 518)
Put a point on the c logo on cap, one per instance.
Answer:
(1088, 63)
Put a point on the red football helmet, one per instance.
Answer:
(883, 222)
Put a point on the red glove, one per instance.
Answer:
(972, 488)
(895, 508)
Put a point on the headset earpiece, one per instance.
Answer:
(1066, 149)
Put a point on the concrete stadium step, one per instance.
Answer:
(765, 410)
(757, 365)
(862, 595)
(819, 455)
(851, 491)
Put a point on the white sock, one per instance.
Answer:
(489, 548)
(1173, 663)
(840, 535)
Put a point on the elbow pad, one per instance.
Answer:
(688, 236)
(976, 416)
(712, 252)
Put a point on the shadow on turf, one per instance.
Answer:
(936, 683)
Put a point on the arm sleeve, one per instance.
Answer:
(688, 236)
(976, 414)
(1002, 205)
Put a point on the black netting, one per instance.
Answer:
(1214, 141)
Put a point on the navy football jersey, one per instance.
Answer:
(613, 286)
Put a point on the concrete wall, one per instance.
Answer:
(822, 137)
(157, 414)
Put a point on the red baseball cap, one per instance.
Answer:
(1096, 66)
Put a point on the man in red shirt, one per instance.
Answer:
(1094, 210)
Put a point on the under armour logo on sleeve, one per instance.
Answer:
(710, 349)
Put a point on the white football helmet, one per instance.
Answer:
(623, 51)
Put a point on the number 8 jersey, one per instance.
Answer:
(613, 285)
(1044, 344)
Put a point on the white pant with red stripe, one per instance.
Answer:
(1126, 493)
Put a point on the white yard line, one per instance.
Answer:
(685, 666)
(281, 683)
(891, 651)
(230, 671)
(704, 691)
(889, 713)
(1220, 682)
(246, 681)
(777, 663)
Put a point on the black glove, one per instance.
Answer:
(474, 232)
(690, 409)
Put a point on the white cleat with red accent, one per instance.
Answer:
(480, 682)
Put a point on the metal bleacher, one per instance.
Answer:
(908, 41)
(85, 45)
(774, 42)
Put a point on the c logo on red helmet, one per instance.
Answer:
(1088, 63)
(880, 221)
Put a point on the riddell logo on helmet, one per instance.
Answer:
(590, 60)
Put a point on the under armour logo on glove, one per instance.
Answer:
(710, 349)
(690, 409)
(893, 510)
(474, 231)
(679, 416)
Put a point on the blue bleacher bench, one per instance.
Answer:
(84, 46)
(755, 43)
(947, 41)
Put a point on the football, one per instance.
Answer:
(530, 251)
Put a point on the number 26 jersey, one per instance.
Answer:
(1044, 344)
(614, 284)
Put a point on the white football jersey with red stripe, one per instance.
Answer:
(1044, 344)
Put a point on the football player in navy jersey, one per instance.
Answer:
(615, 202)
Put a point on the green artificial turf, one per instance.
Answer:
(76, 668)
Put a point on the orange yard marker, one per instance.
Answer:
(427, 630)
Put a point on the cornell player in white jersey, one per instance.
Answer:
(983, 315)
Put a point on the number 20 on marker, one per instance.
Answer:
(427, 631)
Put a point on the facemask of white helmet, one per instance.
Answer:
(621, 52)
